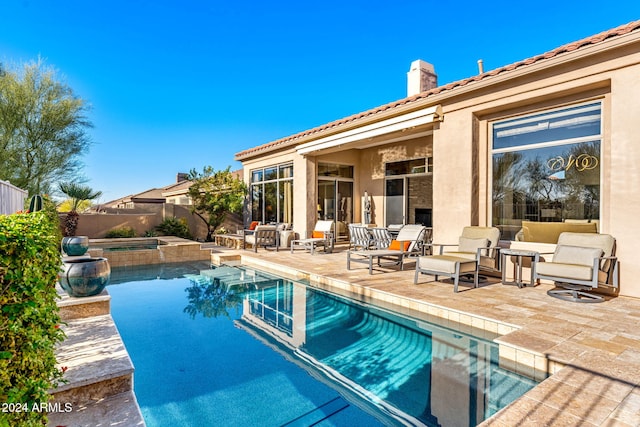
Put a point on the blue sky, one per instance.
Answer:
(176, 85)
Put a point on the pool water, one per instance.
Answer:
(235, 346)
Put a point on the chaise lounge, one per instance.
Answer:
(322, 235)
(410, 242)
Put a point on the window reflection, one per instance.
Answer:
(550, 181)
(560, 125)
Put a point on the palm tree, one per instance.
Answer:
(77, 193)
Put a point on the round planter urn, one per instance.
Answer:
(84, 277)
(75, 245)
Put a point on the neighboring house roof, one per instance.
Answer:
(570, 47)
(153, 195)
(114, 202)
(159, 195)
(181, 187)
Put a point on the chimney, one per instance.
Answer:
(181, 177)
(421, 77)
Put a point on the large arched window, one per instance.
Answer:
(546, 167)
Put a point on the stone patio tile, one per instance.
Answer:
(577, 401)
(614, 422)
(594, 383)
(566, 351)
(630, 357)
(531, 413)
(525, 339)
(601, 344)
(627, 341)
(610, 366)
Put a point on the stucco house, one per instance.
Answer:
(546, 139)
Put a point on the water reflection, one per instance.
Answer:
(411, 372)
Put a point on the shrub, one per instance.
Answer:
(29, 316)
(174, 227)
(121, 232)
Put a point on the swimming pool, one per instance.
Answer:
(236, 346)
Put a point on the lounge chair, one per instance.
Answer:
(408, 243)
(477, 249)
(263, 235)
(580, 263)
(381, 237)
(359, 237)
(322, 235)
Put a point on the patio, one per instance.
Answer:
(593, 350)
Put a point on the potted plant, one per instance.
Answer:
(71, 244)
(84, 277)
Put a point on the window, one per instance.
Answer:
(335, 170)
(409, 191)
(546, 167)
(408, 167)
(272, 194)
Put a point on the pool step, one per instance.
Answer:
(119, 410)
(99, 373)
(78, 308)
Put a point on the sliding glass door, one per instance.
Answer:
(335, 195)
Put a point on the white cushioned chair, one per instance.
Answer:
(477, 249)
(580, 263)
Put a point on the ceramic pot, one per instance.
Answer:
(75, 245)
(84, 277)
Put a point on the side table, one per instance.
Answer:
(517, 265)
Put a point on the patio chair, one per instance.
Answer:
(285, 234)
(263, 235)
(406, 245)
(359, 237)
(250, 229)
(580, 263)
(381, 237)
(477, 249)
(322, 235)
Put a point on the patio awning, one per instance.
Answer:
(382, 132)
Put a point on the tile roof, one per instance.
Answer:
(595, 39)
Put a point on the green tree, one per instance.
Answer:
(214, 194)
(43, 128)
(78, 194)
(65, 205)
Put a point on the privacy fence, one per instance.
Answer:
(11, 198)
